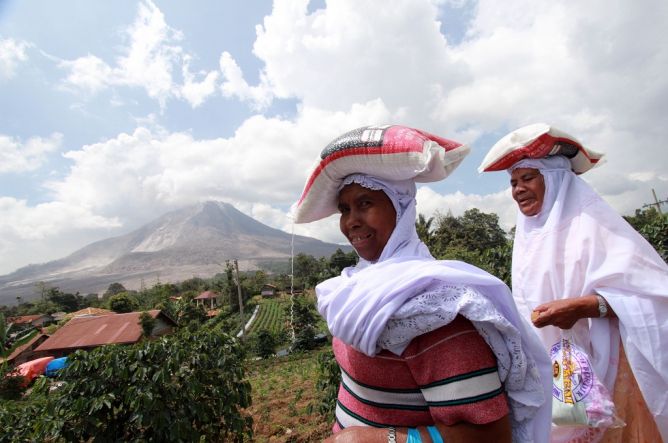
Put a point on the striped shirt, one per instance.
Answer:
(448, 375)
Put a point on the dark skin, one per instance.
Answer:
(367, 220)
(528, 190)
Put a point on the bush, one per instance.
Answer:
(327, 384)
(189, 387)
(265, 344)
(12, 386)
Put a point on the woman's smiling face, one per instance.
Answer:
(367, 219)
(528, 188)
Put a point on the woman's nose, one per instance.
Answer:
(353, 219)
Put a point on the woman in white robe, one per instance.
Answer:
(574, 258)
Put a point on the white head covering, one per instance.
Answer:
(553, 170)
(578, 245)
(406, 284)
(404, 239)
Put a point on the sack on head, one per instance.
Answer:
(538, 140)
(390, 152)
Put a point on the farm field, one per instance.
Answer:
(282, 390)
(271, 315)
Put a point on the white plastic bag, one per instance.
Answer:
(578, 396)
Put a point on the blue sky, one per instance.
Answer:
(116, 112)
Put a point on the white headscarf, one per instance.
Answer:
(406, 293)
(578, 245)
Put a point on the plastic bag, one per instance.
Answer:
(578, 396)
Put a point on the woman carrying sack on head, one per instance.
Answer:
(429, 350)
(590, 283)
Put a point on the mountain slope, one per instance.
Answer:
(195, 240)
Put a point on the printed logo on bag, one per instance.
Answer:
(572, 371)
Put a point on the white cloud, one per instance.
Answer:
(353, 52)
(138, 175)
(235, 86)
(151, 55)
(18, 156)
(48, 231)
(46, 219)
(12, 52)
(196, 92)
(88, 73)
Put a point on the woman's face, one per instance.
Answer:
(528, 189)
(367, 219)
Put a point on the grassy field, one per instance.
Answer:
(283, 389)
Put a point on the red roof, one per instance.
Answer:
(206, 295)
(25, 346)
(86, 332)
(25, 318)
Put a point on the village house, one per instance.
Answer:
(37, 320)
(91, 332)
(88, 312)
(26, 351)
(268, 290)
(208, 299)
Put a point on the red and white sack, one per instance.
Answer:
(390, 152)
(538, 140)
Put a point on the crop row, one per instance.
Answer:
(271, 316)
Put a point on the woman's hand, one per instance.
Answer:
(564, 313)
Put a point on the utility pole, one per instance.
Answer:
(656, 203)
(241, 302)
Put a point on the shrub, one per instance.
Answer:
(188, 387)
(266, 342)
(327, 384)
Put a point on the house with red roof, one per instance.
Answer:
(26, 351)
(91, 332)
(36, 320)
(208, 299)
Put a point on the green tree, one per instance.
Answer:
(340, 260)
(3, 333)
(266, 342)
(147, 323)
(307, 269)
(304, 318)
(66, 302)
(123, 302)
(424, 230)
(193, 284)
(113, 289)
(653, 226)
(473, 231)
(189, 313)
(231, 286)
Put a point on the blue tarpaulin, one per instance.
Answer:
(55, 365)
